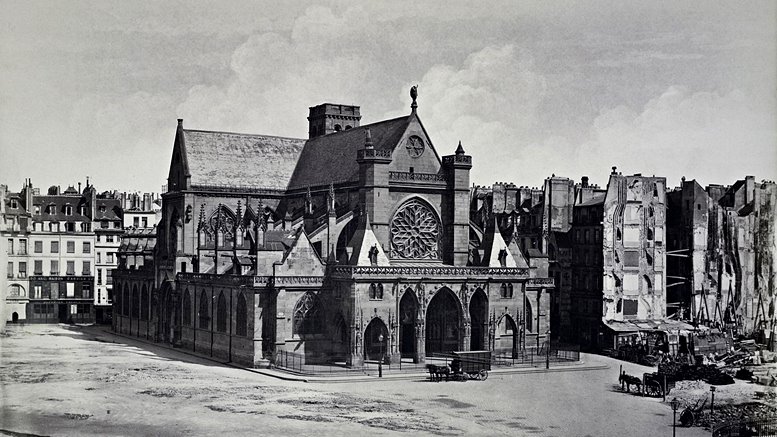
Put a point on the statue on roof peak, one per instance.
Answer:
(414, 96)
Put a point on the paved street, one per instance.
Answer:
(57, 380)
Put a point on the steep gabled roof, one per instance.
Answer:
(226, 158)
(362, 242)
(332, 158)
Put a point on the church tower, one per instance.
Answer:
(328, 118)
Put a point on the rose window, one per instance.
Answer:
(415, 232)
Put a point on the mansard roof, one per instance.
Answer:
(332, 158)
(233, 159)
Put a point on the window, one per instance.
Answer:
(102, 208)
(528, 317)
(135, 303)
(631, 258)
(38, 247)
(22, 247)
(99, 258)
(87, 268)
(37, 209)
(376, 291)
(506, 291)
(306, 315)
(54, 267)
(54, 287)
(125, 301)
(187, 309)
(55, 247)
(103, 225)
(630, 307)
(10, 246)
(145, 222)
(204, 310)
(136, 222)
(99, 276)
(98, 238)
(71, 247)
(110, 257)
(36, 290)
(37, 267)
(240, 316)
(68, 210)
(108, 277)
(86, 290)
(71, 268)
(9, 273)
(144, 303)
(221, 313)
(109, 238)
(70, 227)
(87, 247)
(16, 291)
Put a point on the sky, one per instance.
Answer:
(530, 88)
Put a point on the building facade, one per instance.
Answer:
(722, 245)
(351, 245)
(51, 248)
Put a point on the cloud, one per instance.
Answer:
(715, 137)
(489, 102)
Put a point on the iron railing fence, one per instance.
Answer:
(322, 364)
(746, 428)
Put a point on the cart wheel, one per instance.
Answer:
(483, 375)
(687, 418)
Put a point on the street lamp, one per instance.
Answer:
(712, 404)
(675, 406)
(380, 363)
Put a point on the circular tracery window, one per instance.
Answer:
(415, 146)
(415, 232)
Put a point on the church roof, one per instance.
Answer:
(233, 159)
(332, 158)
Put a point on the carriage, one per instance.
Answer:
(653, 384)
(473, 365)
(463, 367)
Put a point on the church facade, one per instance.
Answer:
(354, 244)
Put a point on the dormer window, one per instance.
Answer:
(14, 203)
(51, 209)
(102, 208)
(37, 209)
(68, 210)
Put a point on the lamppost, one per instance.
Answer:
(712, 404)
(675, 406)
(380, 363)
(547, 353)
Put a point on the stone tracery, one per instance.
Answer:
(415, 232)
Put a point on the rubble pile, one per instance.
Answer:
(730, 413)
(683, 372)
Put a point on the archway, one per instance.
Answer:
(478, 315)
(408, 314)
(443, 318)
(15, 317)
(374, 347)
(506, 339)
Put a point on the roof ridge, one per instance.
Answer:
(243, 134)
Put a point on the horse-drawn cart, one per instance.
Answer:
(462, 367)
(471, 365)
(656, 384)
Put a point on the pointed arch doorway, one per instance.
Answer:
(408, 315)
(478, 315)
(375, 340)
(443, 320)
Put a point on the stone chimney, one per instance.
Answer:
(328, 118)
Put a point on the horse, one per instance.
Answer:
(629, 380)
(436, 372)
